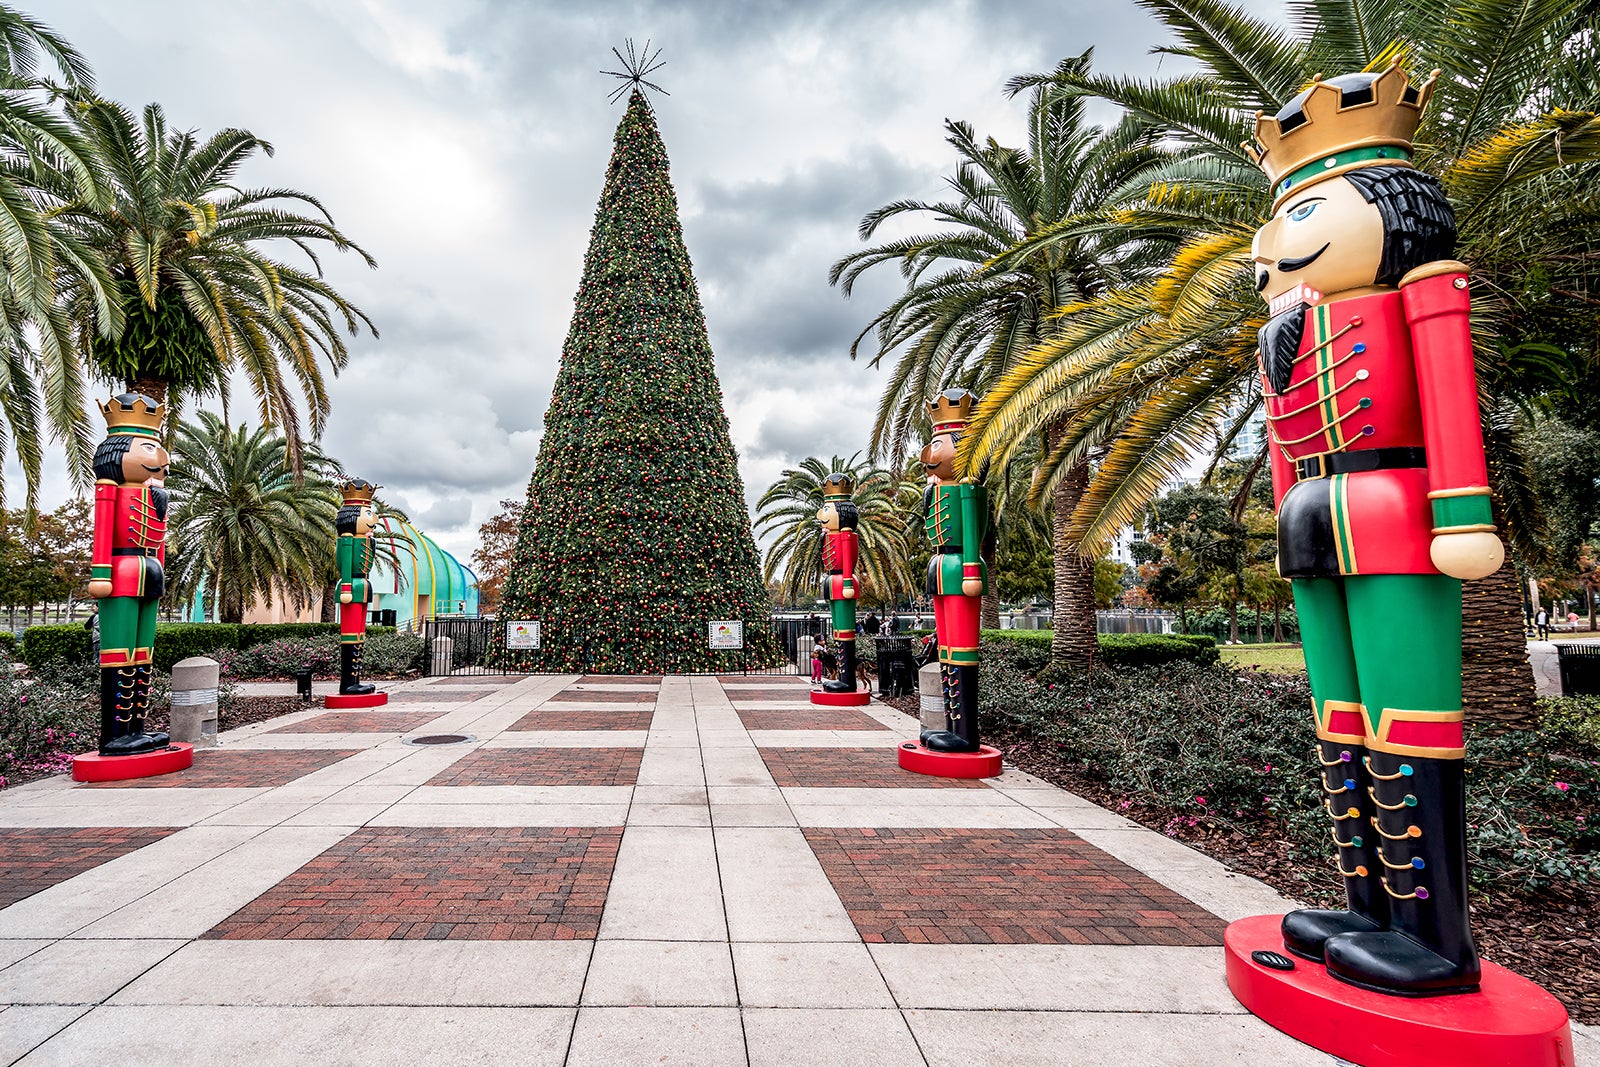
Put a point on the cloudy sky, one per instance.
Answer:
(464, 145)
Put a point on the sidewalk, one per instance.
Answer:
(614, 871)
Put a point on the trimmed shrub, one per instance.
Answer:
(393, 653)
(1124, 650)
(10, 647)
(263, 633)
(179, 640)
(386, 653)
(67, 642)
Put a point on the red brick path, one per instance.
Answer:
(431, 883)
(602, 696)
(239, 768)
(543, 766)
(550, 718)
(851, 767)
(359, 722)
(979, 887)
(809, 719)
(36, 858)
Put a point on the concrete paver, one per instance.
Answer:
(722, 939)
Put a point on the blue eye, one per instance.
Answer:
(1303, 211)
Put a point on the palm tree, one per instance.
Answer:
(243, 524)
(965, 318)
(789, 509)
(41, 372)
(1160, 369)
(197, 284)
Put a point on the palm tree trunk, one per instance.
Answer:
(989, 607)
(330, 602)
(1074, 645)
(1277, 623)
(154, 388)
(1497, 680)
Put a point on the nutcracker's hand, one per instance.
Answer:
(346, 596)
(1467, 556)
(972, 587)
(100, 587)
(848, 592)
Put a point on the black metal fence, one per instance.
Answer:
(468, 649)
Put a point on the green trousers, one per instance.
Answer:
(1388, 646)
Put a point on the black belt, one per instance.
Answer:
(1362, 459)
(133, 551)
(949, 550)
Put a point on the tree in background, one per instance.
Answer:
(788, 510)
(197, 289)
(497, 540)
(44, 559)
(636, 532)
(243, 526)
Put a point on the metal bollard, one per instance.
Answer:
(443, 651)
(194, 701)
(802, 654)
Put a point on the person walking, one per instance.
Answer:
(1541, 623)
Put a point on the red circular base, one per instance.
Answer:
(93, 767)
(853, 699)
(364, 700)
(984, 763)
(1509, 1021)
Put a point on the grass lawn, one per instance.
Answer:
(1280, 658)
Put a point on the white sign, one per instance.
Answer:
(726, 633)
(523, 633)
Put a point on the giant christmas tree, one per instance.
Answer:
(636, 533)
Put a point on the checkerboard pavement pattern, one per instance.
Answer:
(237, 769)
(37, 858)
(846, 768)
(556, 890)
(1001, 887)
(440, 883)
(359, 722)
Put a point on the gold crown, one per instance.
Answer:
(838, 484)
(1335, 126)
(951, 409)
(133, 413)
(358, 491)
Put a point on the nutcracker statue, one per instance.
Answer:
(1383, 510)
(956, 518)
(840, 550)
(354, 525)
(126, 577)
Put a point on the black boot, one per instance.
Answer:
(350, 671)
(1422, 856)
(961, 700)
(120, 735)
(1345, 780)
(142, 677)
(846, 682)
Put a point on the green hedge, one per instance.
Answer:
(1125, 650)
(9, 644)
(69, 642)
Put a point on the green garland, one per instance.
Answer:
(636, 532)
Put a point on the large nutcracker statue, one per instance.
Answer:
(956, 519)
(1383, 509)
(126, 577)
(840, 550)
(354, 524)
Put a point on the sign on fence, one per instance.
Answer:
(726, 633)
(523, 633)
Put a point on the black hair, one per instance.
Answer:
(1419, 226)
(849, 514)
(345, 521)
(108, 457)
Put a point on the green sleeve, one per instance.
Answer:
(973, 512)
(346, 557)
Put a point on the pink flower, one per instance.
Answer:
(1200, 800)
(1563, 786)
(1267, 769)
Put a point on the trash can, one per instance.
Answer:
(1580, 667)
(302, 684)
(897, 668)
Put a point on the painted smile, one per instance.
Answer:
(1302, 261)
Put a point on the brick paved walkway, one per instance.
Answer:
(615, 870)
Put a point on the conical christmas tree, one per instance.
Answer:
(636, 533)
